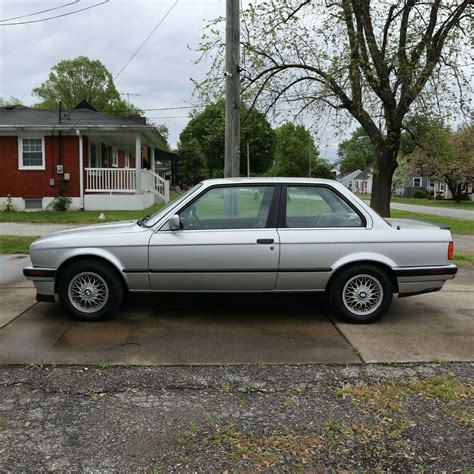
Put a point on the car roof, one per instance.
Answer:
(282, 180)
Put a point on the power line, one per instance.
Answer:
(57, 16)
(40, 12)
(176, 108)
(146, 39)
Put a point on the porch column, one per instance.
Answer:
(81, 170)
(152, 159)
(138, 163)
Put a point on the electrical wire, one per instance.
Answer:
(56, 16)
(40, 12)
(176, 108)
(146, 39)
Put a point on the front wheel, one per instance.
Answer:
(90, 290)
(361, 294)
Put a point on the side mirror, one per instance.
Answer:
(175, 223)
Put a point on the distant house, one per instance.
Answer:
(427, 183)
(359, 182)
(101, 162)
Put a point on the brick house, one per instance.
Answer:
(84, 154)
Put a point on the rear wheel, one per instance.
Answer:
(361, 294)
(90, 290)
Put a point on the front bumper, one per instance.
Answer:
(43, 278)
(418, 280)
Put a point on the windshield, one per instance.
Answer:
(154, 218)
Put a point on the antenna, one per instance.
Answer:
(128, 94)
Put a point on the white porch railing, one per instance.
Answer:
(116, 180)
(124, 180)
(158, 183)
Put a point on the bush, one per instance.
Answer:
(419, 194)
(60, 203)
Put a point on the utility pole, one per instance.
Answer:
(232, 90)
(248, 159)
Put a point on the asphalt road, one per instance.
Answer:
(233, 329)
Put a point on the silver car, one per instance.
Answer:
(248, 235)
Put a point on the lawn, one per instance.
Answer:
(15, 243)
(458, 226)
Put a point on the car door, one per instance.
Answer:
(317, 227)
(228, 242)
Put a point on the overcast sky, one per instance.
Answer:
(160, 72)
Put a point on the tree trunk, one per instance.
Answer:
(385, 165)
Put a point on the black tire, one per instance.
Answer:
(105, 288)
(363, 281)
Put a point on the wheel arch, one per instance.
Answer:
(97, 258)
(382, 265)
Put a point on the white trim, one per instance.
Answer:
(115, 157)
(20, 152)
(421, 181)
(127, 159)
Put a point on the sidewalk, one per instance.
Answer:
(437, 211)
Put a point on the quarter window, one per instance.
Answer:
(31, 153)
(229, 208)
(313, 207)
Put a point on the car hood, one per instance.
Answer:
(414, 224)
(122, 227)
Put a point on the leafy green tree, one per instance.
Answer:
(437, 151)
(192, 166)
(371, 61)
(296, 154)
(11, 101)
(356, 153)
(74, 80)
(208, 126)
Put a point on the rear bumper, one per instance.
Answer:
(418, 280)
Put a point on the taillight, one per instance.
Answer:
(450, 250)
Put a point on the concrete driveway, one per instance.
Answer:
(233, 329)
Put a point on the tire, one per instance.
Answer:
(361, 294)
(90, 290)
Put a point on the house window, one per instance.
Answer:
(417, 182)
(115, 161)
(33, 204)
(31, 153)
(127, 160)
(350, 184)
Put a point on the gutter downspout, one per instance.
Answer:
(81, 170)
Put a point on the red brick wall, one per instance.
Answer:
(35, 183)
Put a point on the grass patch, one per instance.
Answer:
(3, 422)
(445, 388)
(15, 243)
(458, 226)
(381, 397)
(465, 205)
(464, 259)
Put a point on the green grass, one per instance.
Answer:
(77, 217)
(463, 259)
(458, 226)
(465, 205)
(15, 243)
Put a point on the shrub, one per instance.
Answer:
(9, 204)
(419, 193)
(60, 203)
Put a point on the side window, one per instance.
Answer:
(245, 207)
(313, 207)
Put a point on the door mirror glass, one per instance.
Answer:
(175, 223)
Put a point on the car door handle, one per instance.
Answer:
(265, 241)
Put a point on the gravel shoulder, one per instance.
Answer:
(244, 418)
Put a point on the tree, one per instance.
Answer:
(374, 61)
(356, 153)
(74, 80)
(296, 154)
(192, 164)
(448, 156)
(11, 101)
(207, 127)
